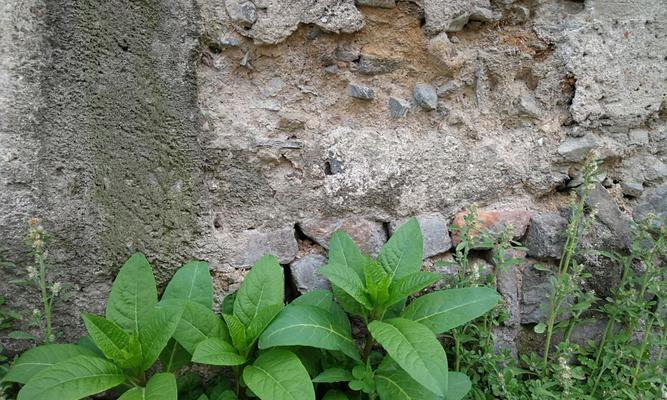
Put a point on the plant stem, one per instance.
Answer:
(237, 385)
(557, 298)
(457, 347)
(607, 332)
(570, 328)
(45, 297)
(368, 346)
(642, 349)
(597, 380)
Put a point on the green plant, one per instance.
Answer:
(627, 362)
(122, 347)
(566, 281)
(375, 293)
(49, 291)
(277, 374)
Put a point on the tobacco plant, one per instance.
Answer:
(274, 374)
(410, 362)
(121, 347)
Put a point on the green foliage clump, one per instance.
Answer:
(301, 351)
(627, 362)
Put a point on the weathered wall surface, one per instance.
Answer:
(226, 129)
(100, 140)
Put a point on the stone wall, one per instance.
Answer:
(225, 129)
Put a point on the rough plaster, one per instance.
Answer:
(188, 130)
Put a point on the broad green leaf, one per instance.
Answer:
(317, 298)
(198, 323)
(411, 284)
(113, 341)
(279, 375)
(393, 383)
(73, 379)
(191, 282)
(39, 358)
(227, 395)
(237, 332)
(348, 303)
(332, 375)
(403, 253)
(348, 281)
(415, 349)
(87, 342)
(228, 303)
(260, 322)
(155, 330)
(347, 265)
(335, 395)
(174, 356)
(215, 351)
(161, 386)
(377, 283)
(459, 386)
(263, 286)
(136, 393)
(309, 326)
(343, 252)
(133, 293)
(447, 309)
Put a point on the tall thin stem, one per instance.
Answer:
(45, 297)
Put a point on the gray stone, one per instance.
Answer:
(278, 143)
(331, 69)
(578, 179)
(520, 13)
(446, 55)
(245, 61)
(335, 166)
(346, 52)
(638, 137)
(292, 121)
(535, 291)
(653, 202)
(306, 275)
(377, 3)
(425, 96)
(610, 215)
(449, 88)
(577, 148)
(527, 105)
(372, 65)
(251, 245)
(370, 236)
(278, 19)
(271, 105)
(360, 92)
(483, 15)
(632, 189)
(241, 12)
(456, 24)
(398, 107)
(545, 237)
(229, 42)
(505, 338)
(435, 232)
(507, 284)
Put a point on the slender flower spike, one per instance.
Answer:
(56, 288)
